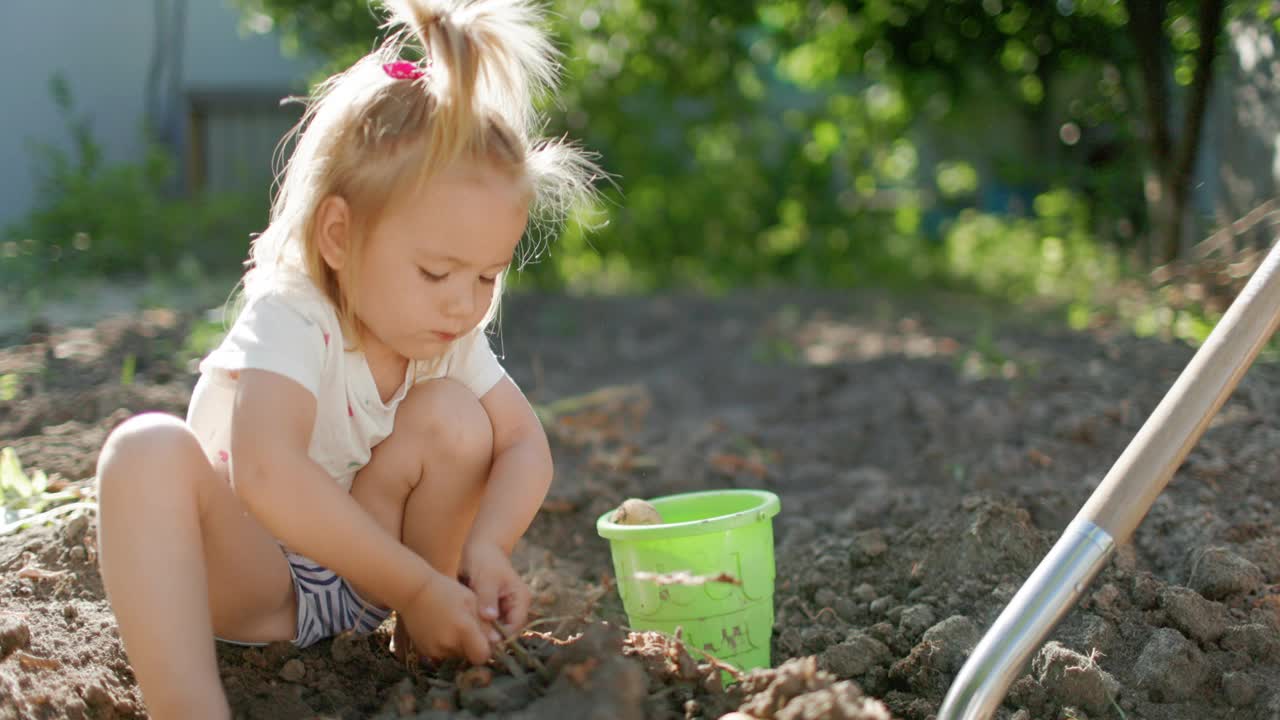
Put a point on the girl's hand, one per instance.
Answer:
(442, 621)
(502, 595)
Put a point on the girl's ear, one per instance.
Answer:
(334, 229)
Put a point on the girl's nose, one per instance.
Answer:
(460, 304)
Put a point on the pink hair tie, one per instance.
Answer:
(404, 70)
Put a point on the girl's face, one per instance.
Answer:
(428, 270)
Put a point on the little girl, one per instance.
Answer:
(353, 446)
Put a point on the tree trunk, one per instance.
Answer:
(1169, 196)
(1146, 30)
(1189, 145)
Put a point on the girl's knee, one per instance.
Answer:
(145, 442)
(449, 420)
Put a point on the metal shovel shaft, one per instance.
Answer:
(1115, 509)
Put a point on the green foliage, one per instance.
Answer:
(9, 385)
(1049, 254)
(92, 217)
(15, 485)
(26, 498)
(815, 143)
(986, 144)
(203, 337)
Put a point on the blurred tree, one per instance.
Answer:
(823, 141)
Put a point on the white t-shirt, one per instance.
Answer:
(296, 333)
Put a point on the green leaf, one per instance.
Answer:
(12, 480)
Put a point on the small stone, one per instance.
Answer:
(814, 639)
(1146, 591)
(953, 638)
(279, 651)
(97, 697)
(75, 708)
(916, 619)
(293, 670)
(883, 632)
(846, 609)
(1218, 573)
(825, 597)
(73, 531)
(1021, 715)
(867, 546)
(79, 554)
(855, 657)
(895, 613)
(881, 605)
(1187, 610)
(634, 511)
(865, 592)
(14, 634)
(1106, 598)
(1241, 689)
(1171, 668)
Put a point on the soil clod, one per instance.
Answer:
(1218, 573)
(1171, 668)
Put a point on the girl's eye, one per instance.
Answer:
(432, 276)
(488, 280)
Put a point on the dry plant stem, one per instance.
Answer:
(512, 666)
(556, 620)
(712, 660)
(512, 641)
(548, 637)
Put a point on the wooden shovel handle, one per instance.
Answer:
(1147, 464)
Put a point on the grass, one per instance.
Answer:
(9, 384)
(28, 499)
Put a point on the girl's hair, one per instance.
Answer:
(371, 138)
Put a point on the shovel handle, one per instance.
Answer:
(1116, 507)
(1175, 426)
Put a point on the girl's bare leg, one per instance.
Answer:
(424, 483)
(181, 560)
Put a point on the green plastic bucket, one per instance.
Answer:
(705, 534)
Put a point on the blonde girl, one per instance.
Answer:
(353, 447)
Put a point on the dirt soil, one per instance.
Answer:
(926, 456)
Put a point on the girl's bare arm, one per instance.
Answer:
(521, 472)
(298, 502)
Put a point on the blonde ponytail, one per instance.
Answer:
(486, 58)
(370, 135)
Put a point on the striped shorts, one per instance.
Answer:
(327, 604)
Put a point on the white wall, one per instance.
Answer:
(104, 48)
